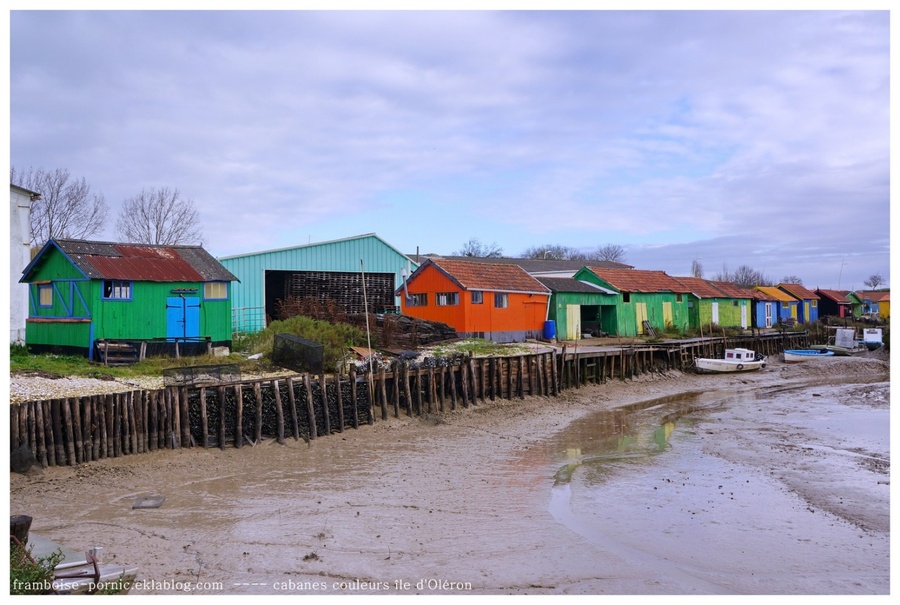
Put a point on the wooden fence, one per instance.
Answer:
(74, 430)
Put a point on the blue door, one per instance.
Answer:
(182, 318)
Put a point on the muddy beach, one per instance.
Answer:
(775, 482)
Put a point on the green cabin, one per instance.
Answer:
(82, 293)
(644, 299)
(579, 307)
(716, 304)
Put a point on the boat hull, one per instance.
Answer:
(796, 355)
(724, 366)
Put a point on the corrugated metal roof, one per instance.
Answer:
(532, 265)
(835, 295)
(798, 291)
(639, 280)
(144, 262)
(701, 287)
(488, 276)
(568, 284)
(776, 294)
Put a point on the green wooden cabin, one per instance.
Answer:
(716, 304)
(642, 296)
(83, 292)
(578, 307)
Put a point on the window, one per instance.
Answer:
(116, 290)
(814, 304)
(45, 295)
(678, 297)
(477, 297)
(447, 299)
(215, 290)
(417, 300)
(626, 297)
(735, 303)
(501, 301)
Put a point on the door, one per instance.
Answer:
(715, 313)
(743, 316)
(573, 322)
(667, 314)
(182, 317)
(768, 315)
(640, 316)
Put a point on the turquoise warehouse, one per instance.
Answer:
(331, 270)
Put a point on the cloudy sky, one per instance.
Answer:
(734, 138)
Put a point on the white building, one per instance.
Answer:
(19, 256)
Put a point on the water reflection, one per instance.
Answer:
(609, 440)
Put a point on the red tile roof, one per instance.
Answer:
(471, 275)
(639, 280)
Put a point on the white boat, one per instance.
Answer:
(735, 360)
(795, 355)
(83, 573)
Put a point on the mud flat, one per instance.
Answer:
(775, 482)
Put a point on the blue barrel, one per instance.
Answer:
(549, 329)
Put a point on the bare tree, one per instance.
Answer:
(159, 216)
(553, 252)
(747, 277)
(874, 281)
(791, 279)
(67, 208)
(610, 252)
(696, 269)
(475, 248)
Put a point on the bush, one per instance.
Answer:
(30, 576)
(335, 337)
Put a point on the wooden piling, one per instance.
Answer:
(257, 428)
(295, 419)
(239, 416)
(204, 421)
(323, 387)
(279, 413)
(310, 410)
(220, 397)
(340, 401)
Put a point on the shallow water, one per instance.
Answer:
(664, 471)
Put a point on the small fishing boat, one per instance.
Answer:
(82, 573)
(735, 360)
(843, 343)
(794, 355)
(840, 351)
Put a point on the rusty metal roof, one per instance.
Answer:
(701, 287)
(798, 291)
(834, 295)
(639, 280)
(143, 262)
(487, 276)
(570, 284)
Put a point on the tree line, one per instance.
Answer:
(744, 276)
(69, 208)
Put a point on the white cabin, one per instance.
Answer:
(739, 355)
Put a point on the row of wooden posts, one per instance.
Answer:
(74, 430)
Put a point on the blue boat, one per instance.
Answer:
(792, 355)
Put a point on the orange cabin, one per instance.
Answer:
(498, 302)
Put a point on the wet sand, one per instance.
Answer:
(775, 482)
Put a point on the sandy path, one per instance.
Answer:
(463, 503)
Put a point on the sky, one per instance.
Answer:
(757, 138)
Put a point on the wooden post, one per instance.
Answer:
(521, 380)
(324, 388)
(464, 379)
(279, 413)
(395, 388)
(204, 420)
(295, 420)
(432, 391)
(310, 410)
(257, 429)
(239, 416)
(452, 372)
(175, 415)
(371, 388)
(474, 386)
(70, 438)
(339, 398)
(406, 390)
(55, 405)
(441, 378)
(133, 422)
(352, 376)
(41, 442)
(220, 397)
(383, 390)
(154, 420)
